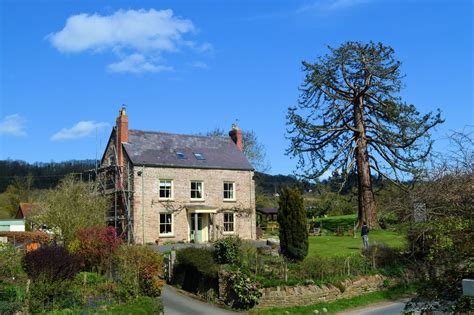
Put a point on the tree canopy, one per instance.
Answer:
(73, 205)
(254, 150)
(351, 118)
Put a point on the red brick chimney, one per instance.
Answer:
(122, 135)
(236, 135)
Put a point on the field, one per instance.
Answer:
(328, 246)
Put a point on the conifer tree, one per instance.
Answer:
(293, 224)
(350, 117)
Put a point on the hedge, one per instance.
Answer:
(36, 236)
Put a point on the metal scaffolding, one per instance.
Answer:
(116, 182)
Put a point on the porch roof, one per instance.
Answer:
(201, 209)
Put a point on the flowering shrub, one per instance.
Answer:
(96, 246)
(243, 290)
(139, 271)
(227, 250)
(52, 263)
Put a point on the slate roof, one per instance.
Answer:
(159, 149)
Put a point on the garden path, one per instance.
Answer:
(176, 303)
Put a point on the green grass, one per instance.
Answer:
(340, 305)
(332, 223)
(142, 305)
(328, 246)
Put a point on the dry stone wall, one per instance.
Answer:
(311, 294)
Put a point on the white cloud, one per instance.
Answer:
(137, 37)
(330, 5)
(13, 125)
(199, 64)
(80, 130)
(136, 63)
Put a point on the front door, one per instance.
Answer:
(200, 235)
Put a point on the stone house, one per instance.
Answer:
(183, 188)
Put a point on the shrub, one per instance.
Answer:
(139, 271)
(96, 247)
(381, 256)
(95, 289)
(10, 299)
(293, 225)
(195, 270)
(10, 263)
(20, 237)
(227, 250)
(46, 295)
(52, 262)
(243, 291)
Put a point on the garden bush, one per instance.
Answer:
(11, 300)
(96, 246)
(227, 250)
(382, 256)
(10, 263)
(95, 290)
(20, 237)
(47, 295)
(51, 262)
(138, 271)
(242, 291)
(195, 270)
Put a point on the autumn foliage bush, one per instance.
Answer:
(96, 246)
(20, 237)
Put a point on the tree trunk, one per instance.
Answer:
(367, 210)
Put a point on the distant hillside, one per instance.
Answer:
(270, 184)
(45, 175)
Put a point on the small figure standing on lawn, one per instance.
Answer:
(364, 232)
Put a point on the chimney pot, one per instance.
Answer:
(236, 135)
(122, 135)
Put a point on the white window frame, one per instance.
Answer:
(228, 222)
(171, 197)
(191, 190)
(224, 191)
(167, 234)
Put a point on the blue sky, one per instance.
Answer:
(192, 66)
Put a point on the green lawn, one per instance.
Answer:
(344, 222)
(328, 246)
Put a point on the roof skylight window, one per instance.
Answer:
(199, 156)
(181, 155)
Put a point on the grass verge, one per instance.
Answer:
(391, 294)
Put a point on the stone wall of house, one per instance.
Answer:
(311, 294)
(147, 204)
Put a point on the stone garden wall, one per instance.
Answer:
(311, 294)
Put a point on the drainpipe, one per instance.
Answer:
(195, 227)
(143, 205)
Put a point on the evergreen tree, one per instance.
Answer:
(351, 118)
(293, 224)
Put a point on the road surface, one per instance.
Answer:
(385, 308)
(176, 303)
